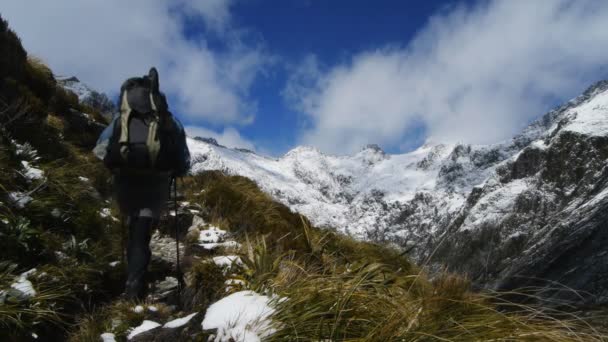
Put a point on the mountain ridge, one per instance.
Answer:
(510, 189)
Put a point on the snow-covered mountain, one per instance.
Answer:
(496, 211)
(88, 96)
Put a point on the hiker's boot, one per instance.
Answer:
(138, 256)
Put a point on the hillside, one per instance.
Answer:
(254, 269)
(526, 207)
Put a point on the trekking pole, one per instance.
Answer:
(122, 241)
(180, 278)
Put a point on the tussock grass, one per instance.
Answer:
(334, 288)
(117, 318)
(369, 302)
(239, 204)
(21, 316)
(60, 233)
(205, 282)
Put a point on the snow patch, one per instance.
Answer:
(227, 260)
(145, 326)
(211, 235)
(591, 117)
(108, 337)
(242, 316)
(31, 173)
(176, 323)
(214, 245)
(20, 199)
(23, 285)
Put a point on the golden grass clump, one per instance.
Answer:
(40, 68)
(368, 302)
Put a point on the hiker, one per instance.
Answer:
(145, 148)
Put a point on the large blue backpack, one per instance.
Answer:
(145, 136)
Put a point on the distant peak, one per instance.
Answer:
(208, 140)
(302, 149)
(373, 147)
(70, 79)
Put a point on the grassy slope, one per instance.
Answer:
(60, 232)
(344, 290)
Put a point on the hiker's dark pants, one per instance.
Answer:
(141, 198)
(138, 251)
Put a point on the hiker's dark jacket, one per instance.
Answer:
(143, 193)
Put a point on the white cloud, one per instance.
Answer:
(105, 42)
(230, 137)
(472, 74)
(215, 13)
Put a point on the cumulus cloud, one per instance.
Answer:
(215, 13)
(473, 74)
(230, 137)
(105, 42)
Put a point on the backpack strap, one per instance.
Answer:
(125, 115)
(153, 141)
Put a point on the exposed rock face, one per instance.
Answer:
(532, 206)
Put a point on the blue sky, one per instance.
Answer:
(331, 30)
(337, 75)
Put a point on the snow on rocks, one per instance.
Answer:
(214, 237)
(31, 173)
(242, 316)
(24, 286)
(138, 309)
(20, 199)
(108, 337)
(74, 85)
(227, 260)
(145, 326)
(25, 150)
(226, 244)
(176, 323)
(591, 117)
(211, 235)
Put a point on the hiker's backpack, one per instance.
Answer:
(145, 137)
